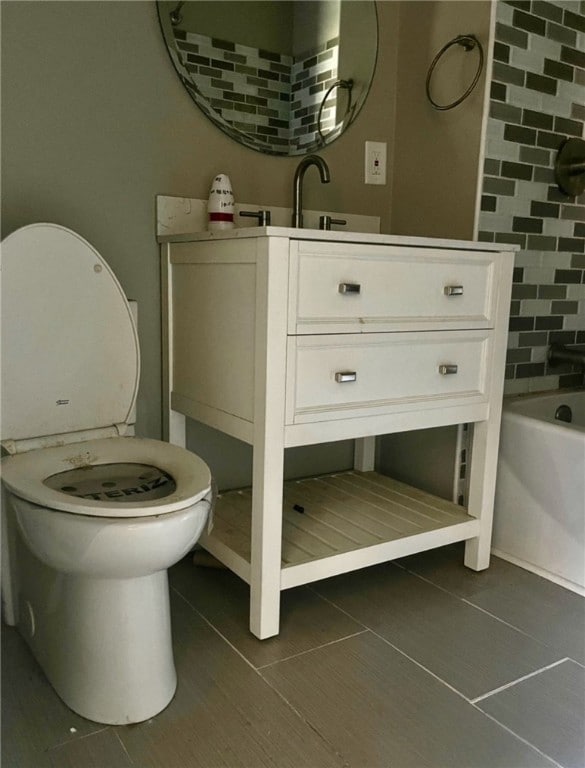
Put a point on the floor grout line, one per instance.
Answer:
(280, 695)
(214, 628)
(78, 738)
(474, 605)
(310, 650)
(519, 680)
(450, 687)
(123, 747)
(517, 736)
(401, 652)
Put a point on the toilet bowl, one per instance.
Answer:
(92, 516)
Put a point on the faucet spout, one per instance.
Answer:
(306, 162)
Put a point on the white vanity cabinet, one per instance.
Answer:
(283, 337)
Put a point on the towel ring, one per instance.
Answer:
(348, 85)
(468, 42)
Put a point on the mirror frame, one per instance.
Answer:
(321, 137)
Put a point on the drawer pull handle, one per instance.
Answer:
(446, 370)
(344, 376)
(453, 290)
(349, 287)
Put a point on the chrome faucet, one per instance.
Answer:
(297, 217)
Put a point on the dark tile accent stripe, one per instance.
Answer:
(571, 380)
(537, 119)
(507, 34)
(565, 307)
(541, 83)
(550, 140)
(520, 134)
(574, 20)
(536, 339)
(559, 71)
(529, 370)
(521, 224)
(501, 52)
(562, 337)
(541, 243)
(508, 74)
(552, 291)
(534, 156)
(524, 291)
(529, 23)
(548, 323)
(561, 34)
(571, 244)
(548, 210)
(521, 324)
(516, 170)
(570, 127)
(568, 276)
(498, 91)
(499, 186)
(573, 56)
(505, 112)
(547, 10)
(518, 356)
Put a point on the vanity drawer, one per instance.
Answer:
(347, 376)
(349, 288)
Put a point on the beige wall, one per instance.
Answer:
(256, 23)
(95, 123)
(314, 24)
(436, 167)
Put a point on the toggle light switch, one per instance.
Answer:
(375, 169)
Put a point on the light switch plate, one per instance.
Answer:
(375, 162)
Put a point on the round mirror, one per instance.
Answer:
(284, 78)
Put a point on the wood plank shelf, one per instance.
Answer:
(335, 523)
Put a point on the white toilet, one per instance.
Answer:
(92, 517)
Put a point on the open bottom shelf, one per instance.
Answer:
(338, 523)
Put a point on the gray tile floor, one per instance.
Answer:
(415, 664)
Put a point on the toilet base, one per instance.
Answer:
(104, 644)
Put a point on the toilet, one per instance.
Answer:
(92, 517)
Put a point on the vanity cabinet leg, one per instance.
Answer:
(177, 429)
(364, 454)
(482, 483)
(268, 441)
(266, 542)
(486, 434)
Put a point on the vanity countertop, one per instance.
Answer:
(337, 236)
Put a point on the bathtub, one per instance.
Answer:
(539, 512)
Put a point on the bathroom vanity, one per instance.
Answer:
(286, 337)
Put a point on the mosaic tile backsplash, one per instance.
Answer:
(272, 96)
(537, 102)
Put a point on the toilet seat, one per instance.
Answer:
(70, 353)
(24, 475)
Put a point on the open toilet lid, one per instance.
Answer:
(70, 356)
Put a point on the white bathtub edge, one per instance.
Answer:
(548, 575)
